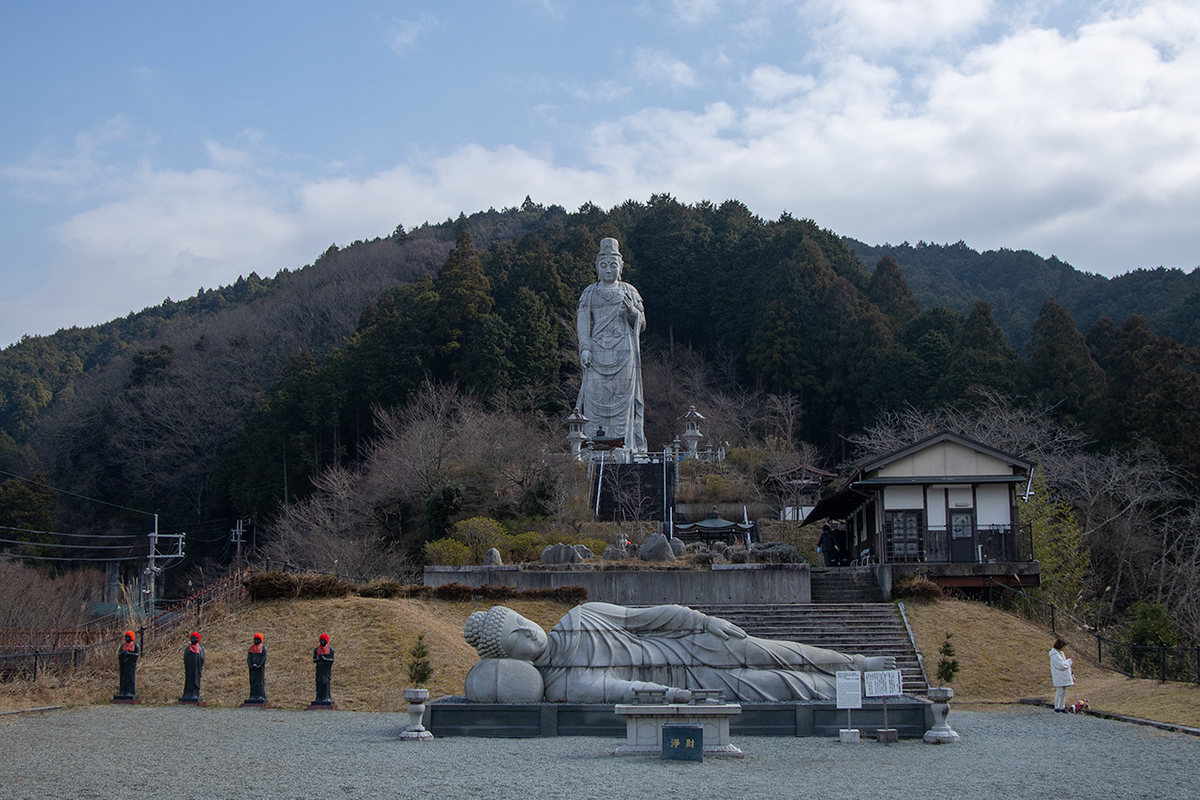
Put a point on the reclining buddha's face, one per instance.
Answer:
(522, 638)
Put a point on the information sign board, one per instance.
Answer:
(884, 683)
(849, 689)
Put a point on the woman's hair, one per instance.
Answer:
(1059, 644)
(483, 631)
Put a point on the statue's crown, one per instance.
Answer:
(609, 247)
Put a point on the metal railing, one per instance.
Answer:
(936, 544)
(33, 656)
(1176, 663)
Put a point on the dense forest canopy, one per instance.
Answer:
(253, 400)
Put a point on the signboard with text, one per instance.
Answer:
(884, 683)
(849, 689)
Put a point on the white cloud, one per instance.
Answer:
(405, 33)
(771, 84)
(866, 26)
(696, 11)
(657, 67)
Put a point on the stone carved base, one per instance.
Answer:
(940, 733)
(415, 732)
(644, 723)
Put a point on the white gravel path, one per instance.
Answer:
(177, 752)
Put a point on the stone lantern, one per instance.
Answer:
(691, 431)
(575, 435)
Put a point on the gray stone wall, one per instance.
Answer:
(724, 584)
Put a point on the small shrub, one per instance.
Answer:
(382, 588)
(917, 587)
(524, 547)
(272, 585)
(447, 553)
(479, 534)
(420, 670)
(312, 586)
(947, 666)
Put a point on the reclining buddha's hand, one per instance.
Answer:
(724, 628)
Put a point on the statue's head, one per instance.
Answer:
(609, 261)
(501, 632)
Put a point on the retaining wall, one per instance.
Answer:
(724, 584)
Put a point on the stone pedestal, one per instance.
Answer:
(644, 724)
(887, 735)
(849, 736)
(415, 732)
(940, 733)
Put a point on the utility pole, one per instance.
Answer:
(237, 536)
(151, 569)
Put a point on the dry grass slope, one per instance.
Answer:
(1004, 658)
(371, 639)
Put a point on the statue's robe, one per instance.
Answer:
(127, 658)
(193, 668)
(256, 662)
(323, 658)
(600, 653)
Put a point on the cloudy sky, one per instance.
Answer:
(150, 149)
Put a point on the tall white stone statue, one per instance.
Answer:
(610, 322)
(601, 653)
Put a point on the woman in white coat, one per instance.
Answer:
(1060, 674)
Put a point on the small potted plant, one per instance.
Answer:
(947, 668)
(420, 670)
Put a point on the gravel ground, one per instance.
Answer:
(181, 752)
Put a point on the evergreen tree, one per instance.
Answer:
(890, 293)
(464, 295)
(1062, 369)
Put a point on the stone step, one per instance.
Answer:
(865, 628)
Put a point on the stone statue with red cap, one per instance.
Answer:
(323, 658)
(256, 661)
(127, 658)
(193, 666)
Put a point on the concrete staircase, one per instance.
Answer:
(845, 585)
(872, 629)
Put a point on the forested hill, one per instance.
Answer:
(1017, 282)
(234, 402)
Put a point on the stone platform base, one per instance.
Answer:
(456, 716)
(322, 707)
(644, 727)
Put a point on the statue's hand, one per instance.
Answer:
(724, 628)
(585, 358)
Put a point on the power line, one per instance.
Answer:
(75, 494)
(71, 546)
(75, 535)
(80, 558)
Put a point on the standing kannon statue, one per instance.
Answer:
(610, 322)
